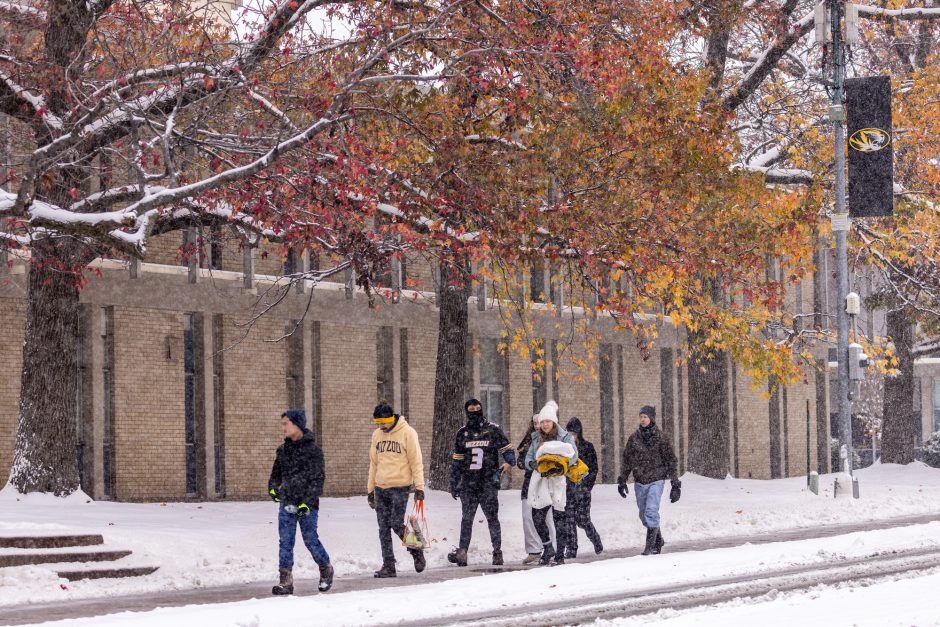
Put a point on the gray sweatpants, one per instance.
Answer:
(533, 544)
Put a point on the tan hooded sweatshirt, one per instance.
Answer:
(395, 458)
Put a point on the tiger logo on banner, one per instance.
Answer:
(869, 140)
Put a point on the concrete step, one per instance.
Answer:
(107, 573)
(49, 542)
(27, 559)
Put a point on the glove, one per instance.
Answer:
(419, 495)
(274, 496)
(455, 492)
(371, 498)
(303, 510)
(622, 489)
(676, 491)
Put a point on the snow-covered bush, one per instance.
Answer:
(931, 450)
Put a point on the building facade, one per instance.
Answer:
(182, 389)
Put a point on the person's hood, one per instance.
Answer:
(574, 427)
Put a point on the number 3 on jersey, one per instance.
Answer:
(476, 463)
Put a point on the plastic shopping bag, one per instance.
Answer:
(417, 535)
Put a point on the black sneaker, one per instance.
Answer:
(387, 571)
(547, 554)
(569, 554)
(559, 560)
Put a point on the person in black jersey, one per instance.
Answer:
(482, 452)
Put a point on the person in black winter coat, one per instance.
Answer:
(296, 483)
(578, 509)
(482, 452)
(649, 456)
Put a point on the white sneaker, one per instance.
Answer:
(531, 559)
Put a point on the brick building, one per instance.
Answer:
(180, 400)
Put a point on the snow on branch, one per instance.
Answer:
(877, 13)
(22, 9)
(766, 63)
(36, 103)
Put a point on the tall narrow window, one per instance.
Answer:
(491, 380)
(215, 247)
(385, 365)
(403, 370)
(606, 375)
(537, 283)
(316, 420)
(295, 365)
(189, 387)
(107, 371)
(218, 397)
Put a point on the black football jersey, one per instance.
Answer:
(478, 452)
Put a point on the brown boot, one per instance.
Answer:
(387, 570)
(326, 578)
(286, 586)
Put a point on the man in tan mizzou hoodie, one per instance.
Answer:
(395, 464)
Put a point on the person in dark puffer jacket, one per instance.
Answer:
(296, 483)
(649, 456)
(578, 509)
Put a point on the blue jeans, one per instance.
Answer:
(287, 531)
(648, 496)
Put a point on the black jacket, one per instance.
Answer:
(298, 473)
(649, 461)
(522, 450)
(588, 455)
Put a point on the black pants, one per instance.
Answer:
(561, 527)
(485, 496)
(390, 505)
(578, 513)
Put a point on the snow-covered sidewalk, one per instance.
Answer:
(211, 544)
(538, 589)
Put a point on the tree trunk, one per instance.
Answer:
(897, 436)
(451, 382)
(708, 413)
(44, 458)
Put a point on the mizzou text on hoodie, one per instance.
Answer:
(395, 458)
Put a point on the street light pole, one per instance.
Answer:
(840, 226)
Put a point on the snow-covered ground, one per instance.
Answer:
(903, 601)
(534, 589)
(205, 544)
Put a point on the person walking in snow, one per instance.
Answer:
(395, 465)
(296, 483)
(474, 477)
(551, 454)
(578, 509)
(533, 543)
(648, 455)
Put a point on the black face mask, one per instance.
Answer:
(475, 417)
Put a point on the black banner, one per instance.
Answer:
(870, 146)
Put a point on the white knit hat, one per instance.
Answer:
(549, 412)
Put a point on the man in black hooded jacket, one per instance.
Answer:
(479, 449)
(296, 483)
(649, 456)
(578, 508)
